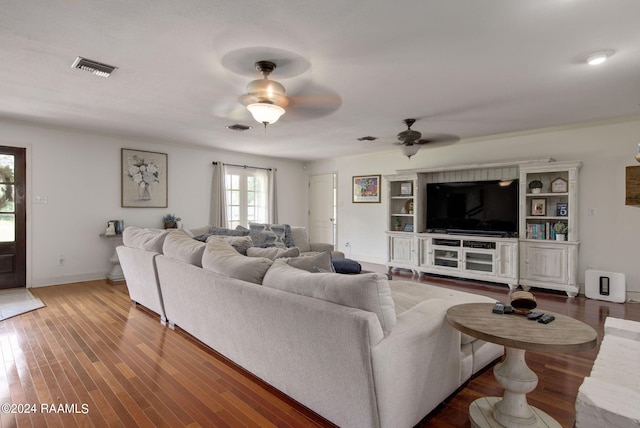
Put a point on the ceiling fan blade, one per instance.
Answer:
(438, 139)
(313, 101)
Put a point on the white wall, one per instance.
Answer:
(610, 240)
(79, 173)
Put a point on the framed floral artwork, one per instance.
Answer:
(366, 189)
(144, 179)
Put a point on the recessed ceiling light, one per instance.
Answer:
(599, 57)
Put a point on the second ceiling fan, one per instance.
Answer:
(411, 140)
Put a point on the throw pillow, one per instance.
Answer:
(273, 253)
(221, 258)
(300, 238)
(144, 239)
(278, 234)
(221, 231)
(367, 291)
(320, 262)
(240, 243)
(179, 245)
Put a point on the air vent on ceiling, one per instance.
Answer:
(94, 67)
(367, 138)
(238, 127)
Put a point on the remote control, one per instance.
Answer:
(546, 319)
(498, 308)
(535, 315)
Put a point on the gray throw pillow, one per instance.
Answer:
(222, 231)
(222, 258)
(240, 243)
(277, 234)
(320, 262)
(273, 252)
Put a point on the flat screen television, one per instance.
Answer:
(476, 207)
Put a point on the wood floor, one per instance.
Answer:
(90, 358)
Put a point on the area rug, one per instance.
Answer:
(16, 301)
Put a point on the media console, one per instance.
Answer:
(532, 256)
(474, 257)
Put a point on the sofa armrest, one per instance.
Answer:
(318, 246)
(420, 358)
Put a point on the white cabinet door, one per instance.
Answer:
(401, 250)
(544, 262)
(506, 260)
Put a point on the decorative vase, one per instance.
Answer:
(170, 225)
(559, 236)
(535, 190)
(144, 192)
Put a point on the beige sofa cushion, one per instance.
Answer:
(320, 262)
(369, 292)
(222, 258)
(273, 253)
(179, 245)
(300, 238)
(144, 239)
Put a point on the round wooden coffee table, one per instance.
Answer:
(517, 334)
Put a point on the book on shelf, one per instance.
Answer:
(541, 231)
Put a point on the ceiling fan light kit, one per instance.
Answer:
(265, 113)
(265, 98)
(409, 150)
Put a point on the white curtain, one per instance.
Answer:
(273, 197)
(218, 211)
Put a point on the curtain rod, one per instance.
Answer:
(243, 166)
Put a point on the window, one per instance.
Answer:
(247, 196)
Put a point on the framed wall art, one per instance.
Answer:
(144, 177)
(539, 206)
(366, 189)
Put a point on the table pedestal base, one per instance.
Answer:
(481, 415)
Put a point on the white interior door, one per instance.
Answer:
(322, 208)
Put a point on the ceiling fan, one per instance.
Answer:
(266, 100)
(411, 140)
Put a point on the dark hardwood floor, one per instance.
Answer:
(113, 364)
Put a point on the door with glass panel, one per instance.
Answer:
(12, 218)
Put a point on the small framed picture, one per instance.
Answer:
(366, 189)
(559, 185)
(405, 189)
(539, 206)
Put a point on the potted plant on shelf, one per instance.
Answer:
(397, 224)
(535, 186)
(171, 221)
(560, 229)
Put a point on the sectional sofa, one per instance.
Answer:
(360, 350)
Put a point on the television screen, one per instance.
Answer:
(476, 206)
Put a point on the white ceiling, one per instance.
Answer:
(464, 67)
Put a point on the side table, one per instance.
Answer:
(115, 276)
(517, 334)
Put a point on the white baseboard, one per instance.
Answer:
(68, 279)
